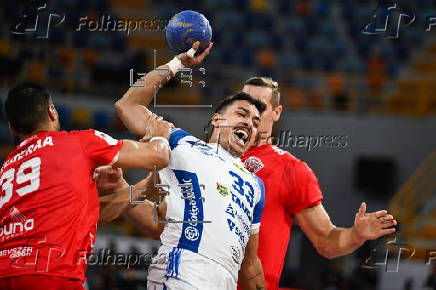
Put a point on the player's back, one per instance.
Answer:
(49, 206)
(290, 187)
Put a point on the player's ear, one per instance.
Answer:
(277, 113)
(52, 113)
(215, 121)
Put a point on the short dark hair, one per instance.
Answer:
(260, 106)
(26, 107)
(222, 106)
(267, 83)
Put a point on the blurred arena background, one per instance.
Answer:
(375, 89)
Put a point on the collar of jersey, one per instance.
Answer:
(223, 152)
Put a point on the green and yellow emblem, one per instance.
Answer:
(222, 189)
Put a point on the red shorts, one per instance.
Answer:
(40, 282)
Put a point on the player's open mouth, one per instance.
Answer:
(242, 135)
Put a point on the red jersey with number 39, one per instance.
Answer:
(290, 187)
(49, 204)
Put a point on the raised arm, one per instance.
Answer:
(132, 107)
(251, 274)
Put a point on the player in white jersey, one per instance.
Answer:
(214, 204)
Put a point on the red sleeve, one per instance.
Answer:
(301, 187)
(99, 147)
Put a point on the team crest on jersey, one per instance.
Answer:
(240, 167)
(253, 164)
(222, 189)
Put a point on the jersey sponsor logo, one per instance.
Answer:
(193, 215)
(222, 189)
(17, 252)
(253, 164)
(192, 233)
(15, 224)
(109, 140)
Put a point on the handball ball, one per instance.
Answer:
(185, 28)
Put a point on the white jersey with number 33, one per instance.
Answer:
(214, 204)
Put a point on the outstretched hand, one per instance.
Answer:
(370, 226)
(189, 61)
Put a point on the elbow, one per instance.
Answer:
(119, 107)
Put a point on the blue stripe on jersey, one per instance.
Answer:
(170, 272)
(177, 261)
(176, 135)
(173, 262)
(191, 232)
(257, 212)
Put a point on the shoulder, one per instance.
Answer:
(179, 136)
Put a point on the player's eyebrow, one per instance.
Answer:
(244, 109)
(248, 112)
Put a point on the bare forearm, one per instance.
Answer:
(251, 275)
(132, 107)
(146, 217)
(339, 242)
(114, 205)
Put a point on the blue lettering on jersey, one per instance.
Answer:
(191, 232)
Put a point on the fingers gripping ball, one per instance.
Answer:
(187, 27)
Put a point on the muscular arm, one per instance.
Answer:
(143, 216)
(251, 273)
(116, 203)
(144, 155)
(331, 241)
(132, 107)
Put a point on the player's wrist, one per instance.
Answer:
(356, 237)
(175, 65)
(162, 140)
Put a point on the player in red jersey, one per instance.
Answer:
(49, 206)
(292, 192)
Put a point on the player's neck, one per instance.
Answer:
(264, 141)
(42, 128)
